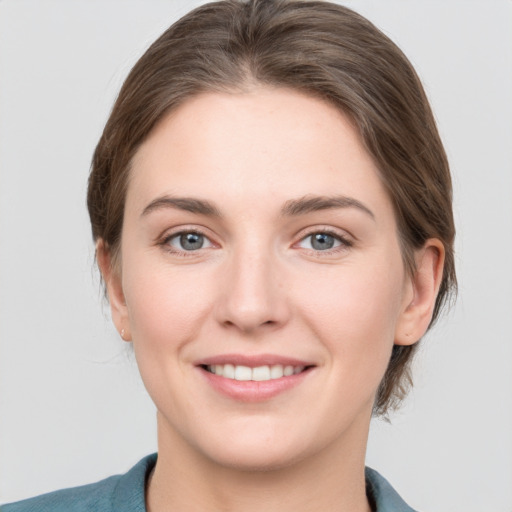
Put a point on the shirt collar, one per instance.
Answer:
(382, 497)
(129, 493)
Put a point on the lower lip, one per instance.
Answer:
(253, 391)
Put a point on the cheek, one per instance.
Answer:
(165, 305)
(167, 309)
(354, 310)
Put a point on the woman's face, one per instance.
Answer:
(259, 243)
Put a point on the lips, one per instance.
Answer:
(253, 378)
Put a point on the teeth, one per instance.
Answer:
(243, 373)
(260, 373)
(276, 371)
(228, 371)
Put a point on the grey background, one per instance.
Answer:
(72, 407)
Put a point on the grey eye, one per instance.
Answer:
(189, 241)
(320, 242)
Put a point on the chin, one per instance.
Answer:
(260, 444)
(257, 458)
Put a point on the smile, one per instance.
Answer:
(254, 378)
(258, 373)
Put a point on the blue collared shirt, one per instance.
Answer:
(126, 493)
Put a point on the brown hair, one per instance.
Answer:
(324, 50)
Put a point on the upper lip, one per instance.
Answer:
(252, 361)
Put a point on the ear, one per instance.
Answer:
(112, 278)
(421, 291)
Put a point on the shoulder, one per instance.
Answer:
(87, 497)
(382, 494)
(116, 493)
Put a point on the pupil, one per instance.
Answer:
(322, 241)
(191, 241)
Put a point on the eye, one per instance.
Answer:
(323, 241)
(188, 241)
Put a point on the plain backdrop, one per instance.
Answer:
(72, 407)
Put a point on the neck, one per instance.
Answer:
(332, 480)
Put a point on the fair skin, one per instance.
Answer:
(287, 255)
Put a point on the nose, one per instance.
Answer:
(253, 296)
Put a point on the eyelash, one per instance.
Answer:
(165, 242)
(345, 243)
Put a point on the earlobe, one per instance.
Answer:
(420, 300)
(112, 278)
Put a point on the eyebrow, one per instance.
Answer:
(188, 204)
(292, 208)
(308, 204)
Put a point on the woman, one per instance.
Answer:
(271, 207)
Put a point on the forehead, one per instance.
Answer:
(265, 143)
